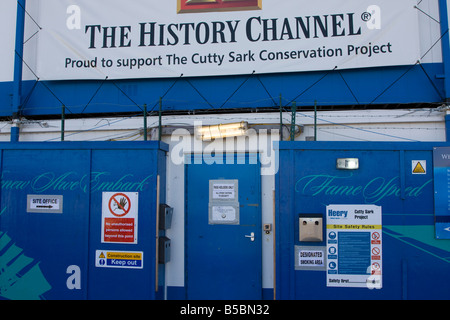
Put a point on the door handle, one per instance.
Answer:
(251, 236)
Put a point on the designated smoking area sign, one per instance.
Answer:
(120, 217)
(354, 246)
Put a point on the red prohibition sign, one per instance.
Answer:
(376, 251)
(121, 204)
(375, 236)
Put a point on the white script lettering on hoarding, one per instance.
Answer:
(374, 191)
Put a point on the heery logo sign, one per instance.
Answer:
(191, 6)
(336, 214)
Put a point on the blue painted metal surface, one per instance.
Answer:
(221, 262)
(18, 67)
(415, 263)
(18, 64)
(53, 255)
(369, 86)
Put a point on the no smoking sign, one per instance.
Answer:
(120, 217)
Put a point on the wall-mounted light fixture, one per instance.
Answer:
(221, 131)
(347, 164)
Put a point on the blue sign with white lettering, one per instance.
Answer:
(408, 259)
(441, 157)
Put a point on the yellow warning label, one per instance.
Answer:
(124, 259)
(124, 255)
(419, 168)
(354, 226)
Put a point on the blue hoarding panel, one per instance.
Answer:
(55, 240)
(52, 214)
(114, 172)
(414, 259)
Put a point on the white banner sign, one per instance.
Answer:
(8, 10)
(83, 39)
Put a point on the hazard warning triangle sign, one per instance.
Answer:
(419, 167)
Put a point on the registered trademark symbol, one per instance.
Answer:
(366, 16)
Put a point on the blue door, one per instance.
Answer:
(223, 229)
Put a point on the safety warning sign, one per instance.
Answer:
(120, 217)
(354, 246)
(419, 167)
(123, 259)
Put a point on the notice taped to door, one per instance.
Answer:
(223, 202)
(120, 217)
(354, 246)
(223, 190)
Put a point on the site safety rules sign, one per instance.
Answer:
(354, 246)
(120, 217)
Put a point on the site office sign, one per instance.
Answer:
(120, 217)
(85, 39)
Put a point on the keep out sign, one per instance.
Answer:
(120, 217)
